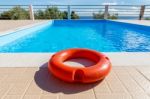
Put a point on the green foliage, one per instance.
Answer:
(148, 18)
(15, 13)
(39, 14)
(100, 15)
(49, 13)
(5, 15)
(113, 16)
(65, 15)
(74, 15)
(53, 13)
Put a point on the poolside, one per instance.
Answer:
(129, 79)
(12, 25)
(29, 83)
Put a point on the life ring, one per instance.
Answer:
(78, 74)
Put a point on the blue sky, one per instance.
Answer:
(75, 2)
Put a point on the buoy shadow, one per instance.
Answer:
(46, 81)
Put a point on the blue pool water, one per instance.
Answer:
(100, 35)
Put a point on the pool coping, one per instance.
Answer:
(134, 22)
(39, 59)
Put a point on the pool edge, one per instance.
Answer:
(39, 59)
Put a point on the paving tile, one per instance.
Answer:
(148, 94)
(35, 83)
(69, 91)
(9, 80)
(90, 91)
(17, 79)
(102, 87)
(4, 88)
(51, 93)
(17, 89)
(33, 89)
(3, 77)
(31, 71)
(130, 84)
(140, 96)
(77, 96)
(6, 70)
(140, 79)
(147, 75)
(115, 84)
(145, 71)
(13, 24)
(117, 67)
(12, 97)
(49, 97)
(113, 96)
(19, 70)
(31, 97)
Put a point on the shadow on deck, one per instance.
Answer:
(46, 81)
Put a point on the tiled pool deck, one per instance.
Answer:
(23, 76)
(9, 25)
(38, 83)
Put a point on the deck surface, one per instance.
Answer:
(38, 83)
(10, 25)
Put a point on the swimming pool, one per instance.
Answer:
(100, 35)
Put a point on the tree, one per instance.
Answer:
(53, 13)
(15, 13)
(49, 13)
(65, 14)
(5, 15)
(100, 15)
(148, 18)
(113, 16)
(74, 15)
(39, 14)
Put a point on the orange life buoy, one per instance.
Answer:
(78, 74)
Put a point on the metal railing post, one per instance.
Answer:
(141, 12)
(69, 15)
(31, 12)
(106, 12)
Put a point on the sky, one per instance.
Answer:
(75, 2)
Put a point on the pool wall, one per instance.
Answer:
(12, 36)
(131, 25)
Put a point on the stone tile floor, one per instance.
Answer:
(38, 83)
(6, 25)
